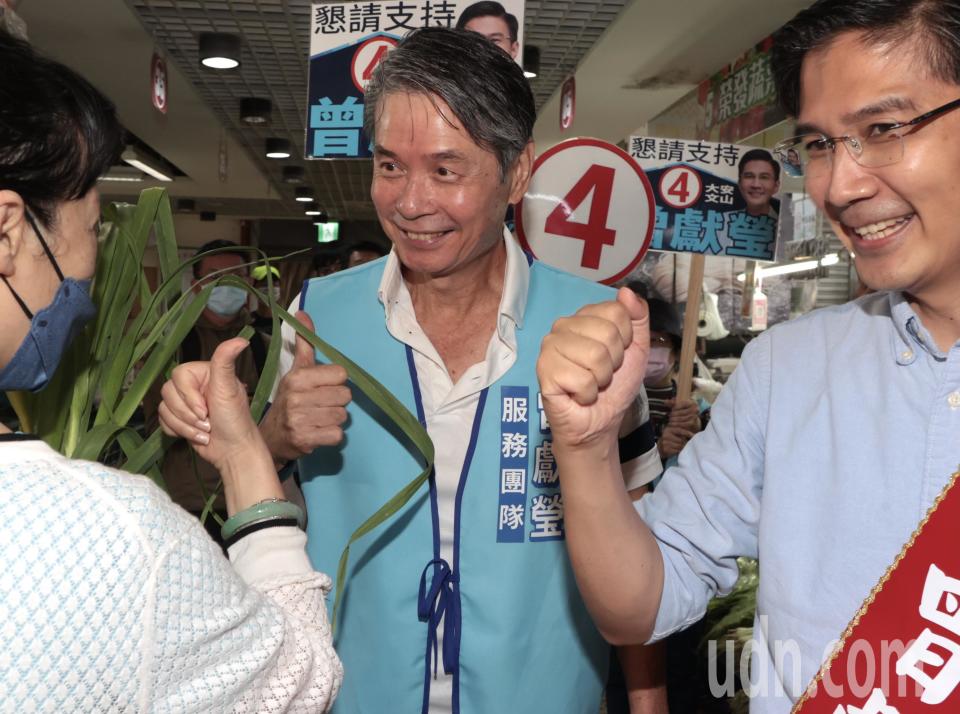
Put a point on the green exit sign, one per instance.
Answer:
(327, 232)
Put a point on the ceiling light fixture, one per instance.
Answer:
(312, 210)
(255, 110)
(277, 148)
(798, 267)
(292, 174)
(531, 61)
(123, 173)
(304, 195)
(138, 161)
(219, 50)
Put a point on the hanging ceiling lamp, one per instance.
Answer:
(292, 174)
(277, 148)
(304, 195)
(219, 50)
(255, 110)
(531, 61)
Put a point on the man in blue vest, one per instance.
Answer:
(465, 600)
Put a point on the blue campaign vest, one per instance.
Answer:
(526, 641)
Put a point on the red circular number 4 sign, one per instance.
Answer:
(588, 210)
(680, 186)
(367, 57)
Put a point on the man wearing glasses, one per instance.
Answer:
(839, 430)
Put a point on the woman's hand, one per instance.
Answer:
(205, 403)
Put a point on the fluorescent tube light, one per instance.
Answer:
(131, 157)
(798, 267)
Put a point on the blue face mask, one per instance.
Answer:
(51, 330)
(227, 300)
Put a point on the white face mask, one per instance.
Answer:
(659, 365)
(227, 300)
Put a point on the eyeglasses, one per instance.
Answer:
(660, 341)
(876, 144)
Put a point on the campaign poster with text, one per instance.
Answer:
(348, 40)
(713, 199)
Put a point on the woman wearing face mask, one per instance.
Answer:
(674, 422)
(112, 598)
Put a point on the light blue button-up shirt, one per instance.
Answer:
(824, 451)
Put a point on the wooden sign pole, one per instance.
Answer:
(691, 321)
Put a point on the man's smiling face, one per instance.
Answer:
(440, 197)
(758, 184)
(900, 221)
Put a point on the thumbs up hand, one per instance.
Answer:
(206, 403)
(309, 407)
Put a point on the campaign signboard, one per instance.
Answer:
(348, 40)
(713, 199)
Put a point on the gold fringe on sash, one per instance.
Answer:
(811, 688)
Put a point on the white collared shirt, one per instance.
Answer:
(449, 408)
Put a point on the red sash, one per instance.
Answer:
(901, 652)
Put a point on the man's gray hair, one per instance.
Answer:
(481, 84)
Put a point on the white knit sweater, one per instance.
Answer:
(113, 599)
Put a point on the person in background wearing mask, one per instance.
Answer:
(114, 599)
(674, 424)
(190, 481)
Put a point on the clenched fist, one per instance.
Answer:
(591, 368)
